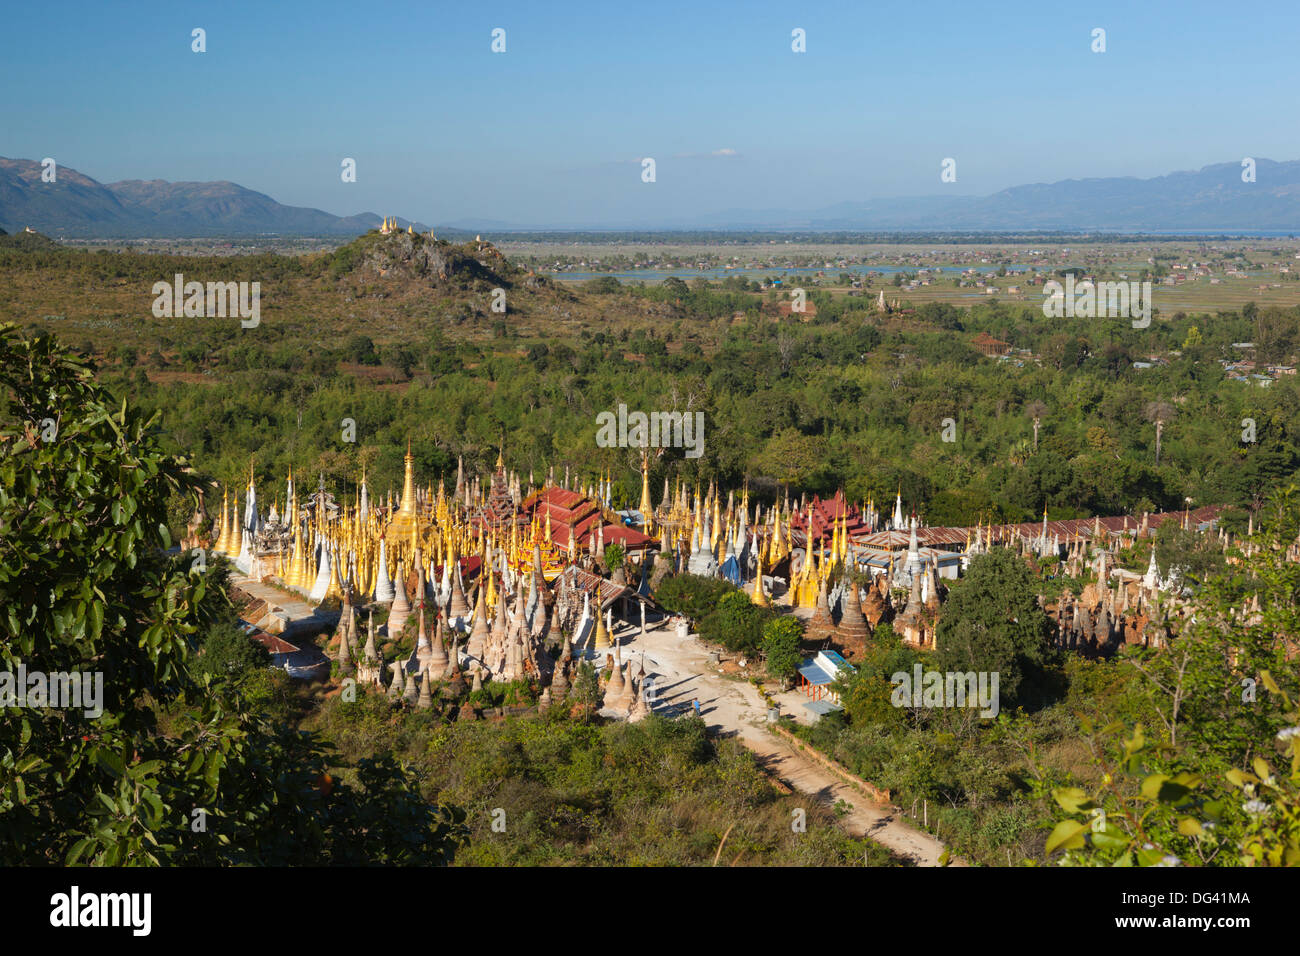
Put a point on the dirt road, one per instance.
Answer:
(682, 673)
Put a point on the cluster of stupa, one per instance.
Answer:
(625, 690)
(805, 557)
(701, 535)
(846, 566)
(390, 226)
(1122, 607)
(1117, 607)
(375, 551)
(465, 576)
(425, 545)
(504, 580)
(862, 605)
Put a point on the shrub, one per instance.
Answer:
(227, 652)
(736, 623)
(613, 557)
(691, 595)
(781, 636)
(603, 285)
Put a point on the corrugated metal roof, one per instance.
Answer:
(822, 707)
(936, 556)
(576, 577)
(1074, 529)
(815, 675)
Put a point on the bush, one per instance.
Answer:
(736, 623)
(361, 349)
(691, 595)
(781, 636)
(613, 557)
(227, 652)
(603, 285)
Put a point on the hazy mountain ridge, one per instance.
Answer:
(78, 206)
(1213, 198)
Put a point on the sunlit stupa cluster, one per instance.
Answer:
(507, 580)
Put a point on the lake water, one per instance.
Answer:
(659, 275)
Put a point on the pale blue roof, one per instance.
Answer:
(814, 674)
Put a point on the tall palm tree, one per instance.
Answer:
(1160, 413)
(1036, 410)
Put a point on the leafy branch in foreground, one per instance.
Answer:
(178, 767)
(1185, 819)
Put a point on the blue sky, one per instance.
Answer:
(552, 130)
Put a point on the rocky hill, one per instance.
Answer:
(404, 258)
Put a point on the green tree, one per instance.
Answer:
(867, 691)
(691, 595)
(614, 554)
(586, 690)
(361, 349)
(736, 623)
(792, 457)
(603, 285)
(1193, 556)
(992, 623)
(781, 636)
(87, 588)
(1224, 698)
(675, 287)
(227, 651)
(1145, 813)
(1203, 681)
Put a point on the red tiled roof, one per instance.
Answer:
(564, 507)
(561, 498)
(468, 567)
(825, 514)
(574, 509)
(629, 538)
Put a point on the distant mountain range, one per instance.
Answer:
(76, 206)
(1212, 199)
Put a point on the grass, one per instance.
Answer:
(550, 791)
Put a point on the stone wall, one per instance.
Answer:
(871, 790)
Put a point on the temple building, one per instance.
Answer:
(506, 579)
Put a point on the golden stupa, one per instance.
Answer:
(406, 524)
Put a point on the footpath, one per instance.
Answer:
(683, 673)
